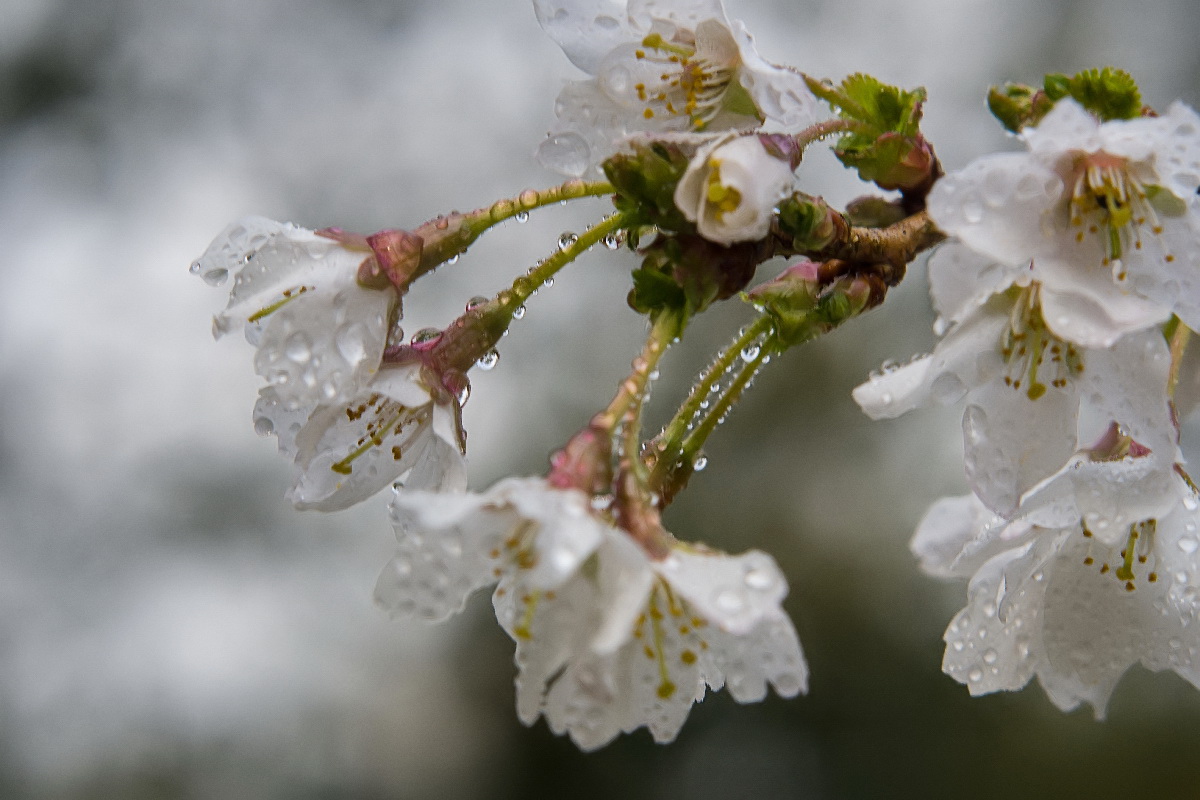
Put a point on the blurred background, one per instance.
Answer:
(171, 628)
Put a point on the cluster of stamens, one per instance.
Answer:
(1032, 352)
(690, 85)
(517, 552)
(388, 419)
(1138, 545)
(651, 630)
(720, 198)
(1109, 203)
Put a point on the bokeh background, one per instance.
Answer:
(171, 628)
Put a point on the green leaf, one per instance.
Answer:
(1108, 93)
(653, 290)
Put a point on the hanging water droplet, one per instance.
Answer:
(464, 394)
(194, 268)
(759, 579)
(263, 426)
(750, 352)
(215, 277)
(566, 239)
(549, 282)
(453, 259)
(700, 463)
(475, 302)
(975, 675)
(518, 313)
(653, 375)
(424, 335)
(522, 216)
(612, 241)
(990, 656)
(488, 360)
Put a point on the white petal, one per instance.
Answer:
(967, 357)
(734, 593)
(947, 528)
(1094, 312)
(1012, 443)
(768, 654)
(586, 30)
(961, 280)
(1067, 128)
(1128, 384)
(995, 205)
(780, 94)
(444, 554)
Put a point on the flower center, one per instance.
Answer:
(1110, 204)
(384, 420)
(667, 632)
(1139, 545)
(692, 84)
(720, 199)
(1032, 352)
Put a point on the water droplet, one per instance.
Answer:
(750, 352)
(298, 348)
(990, 656)
(424, 335)
(488, 360)
(601, 502)
(566, 239)
(215, 277)
(351, 343)
(194, 268)
(700, 463)
(263, 426)
(1190, 502)
(612, 241)
(1187, 544)
(729, 601)
(549, 282)
(759, 579)
(464, 394)
(522, 216)
(975, 675)
(475, 302)
(453, 259)
(518, 312)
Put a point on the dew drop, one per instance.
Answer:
(700, 463)
(453, 259)
(518, 312)
(759, 579)
(566, 239)
(729, 601)
(750, 352)
(194, 268)
(549, 282)
(475, 302)
(215, 277)
(263, 426)
(488, 360)
(990, 656)
(424, 335)
(351, 343)
(298, 348)
(522, 216)
(1187, 544)
(612, 241)
(975, 675)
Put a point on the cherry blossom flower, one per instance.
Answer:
(1025, 374)
(660, 65)
(731, 188)
(1109, 205)
(1099, 570)
(319, 334)
(401, 425)
(608, 638)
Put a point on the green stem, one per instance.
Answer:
(715, 414)
(665, 328)
(670, 442)
(530, 199)
(523, 287)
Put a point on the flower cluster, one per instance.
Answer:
(1064, 303)
(1065, 297)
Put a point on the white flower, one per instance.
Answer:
(608, 639)
(674, 65)
(345, 452)
(1113, 205)
(319, 334)
(731, 188)
(1025, 375)
(1054, 596)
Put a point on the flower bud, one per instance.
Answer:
(731, 188)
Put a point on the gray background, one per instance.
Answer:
(171, 628)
